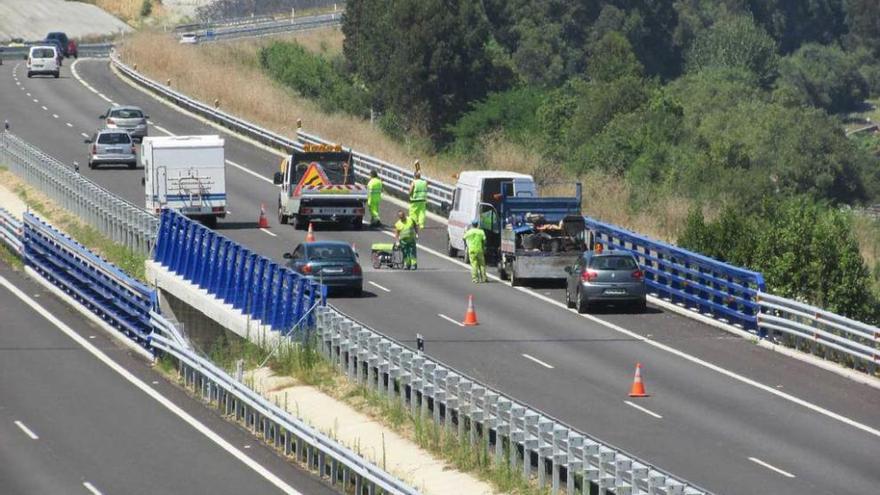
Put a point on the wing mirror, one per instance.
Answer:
(287, 256)
(278, 178)
(568, 270)
(87, 141)
(102, 116)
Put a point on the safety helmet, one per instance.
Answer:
(474, 223)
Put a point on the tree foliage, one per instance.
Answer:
(824, 77)
(735, 43)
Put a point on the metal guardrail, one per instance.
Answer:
(725, 291)
(119, 220)
(531, 441)
(10, 231)
(269, 28)
(104, 289)
(320, 453)
(84, 50)
(396, 179)
(819, 332)
(219, 23)
(271, 293)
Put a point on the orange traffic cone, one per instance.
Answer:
(263, 222)
(310, 235)
(470, 317)
(638, 388)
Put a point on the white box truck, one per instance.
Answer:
(187, 174)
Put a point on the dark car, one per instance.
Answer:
(62, 40)
(332, 263)
(610, 276)
(58, 49)
(72, 49)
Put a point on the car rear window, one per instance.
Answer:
(43, 53)
(114, 138)
(126, 113)
(613, 263)
(325, 253)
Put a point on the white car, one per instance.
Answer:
(43, 60)
(189, 39)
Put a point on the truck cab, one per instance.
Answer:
(477, 196)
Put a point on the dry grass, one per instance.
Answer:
(866, 230)
(230, 72)
(127, 10)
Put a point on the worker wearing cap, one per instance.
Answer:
(418, 199)
(475, 240)
(406, 232)
(374, 188)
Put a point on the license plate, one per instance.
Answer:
(332, 270)
(615, 292)
(114, 150)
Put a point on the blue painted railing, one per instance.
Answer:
(696, 281)
(271, 293)
(118, 299)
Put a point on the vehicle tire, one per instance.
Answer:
(581, 305)
(282, 218)
(57, 74)
(357, 292)
(211, 222)
(297, 221)
(640, 306)
(358, 223)
(91, 165)
(29, 75)
(568, 301)
(450, 251)
(132, 165)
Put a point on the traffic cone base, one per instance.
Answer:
(638, 387)
(263, 222)
(470, 316)
(310, 235)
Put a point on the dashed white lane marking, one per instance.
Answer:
(542, 363)
(643, 409)
(374, 284)
(450, 320)
(162, 129)
(248, 171)
(770, 467)
(27, 431)
(44, 108)
(36, 100)
(91, 488)
(55, 115)
(28, 94)
(150, 392)
(68, 124)
(84, 135)
(267, 231)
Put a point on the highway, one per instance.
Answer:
(71, 423)
(723, 413)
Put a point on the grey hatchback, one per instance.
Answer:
(610, 276)
(128, 118)
(109, 146)
(332, 263)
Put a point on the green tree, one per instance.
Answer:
(863, 21)
(825, 76)
(510, 112)
(736, 43)
(611, 58)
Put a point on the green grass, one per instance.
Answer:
(10, 258)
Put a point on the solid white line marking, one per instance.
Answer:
(658, 345)
(108, 100)
(27, 431)
(84, 135)
(374, 284)
(772, 468)
(249, 171)
(644, 410)
(91, 488)
(450, 320)
(161, 399)
(266, 231)
(542, 363)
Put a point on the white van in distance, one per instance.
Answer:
(43, 60)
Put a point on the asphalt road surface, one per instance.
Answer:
(723, 413)
(69, 423)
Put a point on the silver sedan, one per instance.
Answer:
(607, 277)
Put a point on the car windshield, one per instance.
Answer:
(43, 53)
(114, 138)
(326, 253)
(126, 113)
(613, 263)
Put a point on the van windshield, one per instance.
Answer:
(43, 53)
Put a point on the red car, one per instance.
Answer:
(72, 49)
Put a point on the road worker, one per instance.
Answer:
(475, 241)
(418, 199)
(374, 187)
(406, 232)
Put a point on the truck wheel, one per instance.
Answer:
(450, 251)
(282, 218)
(298, 222)
(358, 223)
(211, 222)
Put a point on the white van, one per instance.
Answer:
(476, 193)
(43, 60)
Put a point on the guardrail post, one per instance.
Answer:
(427, 386)
(452, 400)
(439, 386)
(502, 427)
(394, 371)
(463, 393)
(415, 383)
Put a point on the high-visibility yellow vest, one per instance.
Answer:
(374, 186)
(405, 229)
(420, 190)
(475, 239)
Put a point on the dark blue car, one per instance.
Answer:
(332, 263)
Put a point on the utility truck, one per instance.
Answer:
(527, 236)
(187, 174)
(318, 184)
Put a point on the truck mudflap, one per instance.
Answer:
(542, 265)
